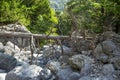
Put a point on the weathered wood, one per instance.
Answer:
(38, 36)
(28, 35)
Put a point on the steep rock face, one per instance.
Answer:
(58, 4)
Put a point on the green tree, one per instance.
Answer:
(93, 15)
(37, 15)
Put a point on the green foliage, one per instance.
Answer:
(93, 15)
(37, 15)
(64, 23)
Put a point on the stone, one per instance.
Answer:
(80, 62)
(101, 77)
(85, 78)
(46, 74)
(117, 64)
(7, 62)
(2, 76)
(103, 58)
(10, 44)
(11, 49)
(108, 47)
(107, 35)
(1, 47)
(81, 45)
(66, 50)
(54, 66)
(63, 74)
(108, 69)
(30, 72)
(21, 28)
(74, 76)
(8, 50)
(97, 51)
(117, 74)
(86, 53)
(2, 71)
(64, 59)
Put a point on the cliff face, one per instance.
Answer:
(58, 5)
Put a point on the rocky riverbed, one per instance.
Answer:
(49, 63)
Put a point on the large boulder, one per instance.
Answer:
(108, 69)
(7, 62)
(30, 72)
(81, 62)
(108, 47)
(74, 76)
(11, 49)
(54, 66)
(63, 74)
(46, 74)
(107, 51)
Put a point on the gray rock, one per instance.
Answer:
(8, 50)
(97, 78)
(86, 53)
(30, 72)
(21, 28)
(1, 47)
(103, 58)
(107, 35)
(108, 69)
(108, 47)
(10, 44)
(63, 74)
(23, 56)
(11, 49)
(64, 59)
(7, 62)
(80, 62)
(117, 74)
(74, 76)
(85, 78)
(46, 74)
(117, 64)
(66, 50)
(2, 76)
(54, 66)
(14, 27)
(81, 45)
(2, 71)
(98, 50)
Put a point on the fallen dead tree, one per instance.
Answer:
(37, 36)
(28, 35)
